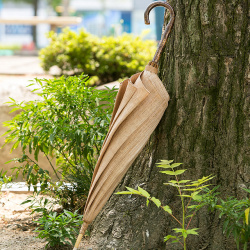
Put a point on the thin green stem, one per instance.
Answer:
(245, 246)
(188, 204)
(171, 215)
(183, 212)
(191, 219)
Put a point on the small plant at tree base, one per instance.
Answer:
(187, 189)
(59, 230)
(235, 214)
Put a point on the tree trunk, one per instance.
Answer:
(205, 69)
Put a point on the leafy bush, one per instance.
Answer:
(109, 58)
(235, 214)
(59, 230)
(69, 51)
(69, 124)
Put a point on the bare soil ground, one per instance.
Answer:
(17, 225)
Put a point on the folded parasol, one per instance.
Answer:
(139, 107)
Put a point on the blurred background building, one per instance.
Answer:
(99, 17)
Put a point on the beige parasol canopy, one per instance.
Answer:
(139, 107)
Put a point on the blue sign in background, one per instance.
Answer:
(18, 29)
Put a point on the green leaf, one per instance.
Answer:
(36, 153)
(166, 238)
(247, 215)
(181, 171)
(184, 181)
(225, 224)
(197, 197)
(133, 191)
(68, 213)
(201, 181)
(182, 231)
(177, 172)
(29, 172)
(173, 181)
(168, 172)
(173, 185)
(166, 162)
(197, 188)
(147, 202)
(124, 192)
(192, 231)
(247, 190)
(157, 202)
(176, 165)
(185, 195)
(178, 230)
(143, 192)
(164, 166)
(167, 209)
(26, 201)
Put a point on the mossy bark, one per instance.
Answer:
(205, 68)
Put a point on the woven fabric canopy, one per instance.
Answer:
(140, 104)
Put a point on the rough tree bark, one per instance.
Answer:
(205, 68)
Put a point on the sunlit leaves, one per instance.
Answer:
(107, 58)
(190, 192)
(167, 209)
(247, 215)
(144, 192)
(157, 202)
(177, 172)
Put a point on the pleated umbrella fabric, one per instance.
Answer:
(139, 107)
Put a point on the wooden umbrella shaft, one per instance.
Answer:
(82, 232)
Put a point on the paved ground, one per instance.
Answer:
(16, 72)
(14, 86)
(22, 65)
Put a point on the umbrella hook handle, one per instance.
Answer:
(164, 38)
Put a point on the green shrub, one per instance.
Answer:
(69, 51)
(69, 124)
(59, 230)
(235, 215)
(108, 58)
